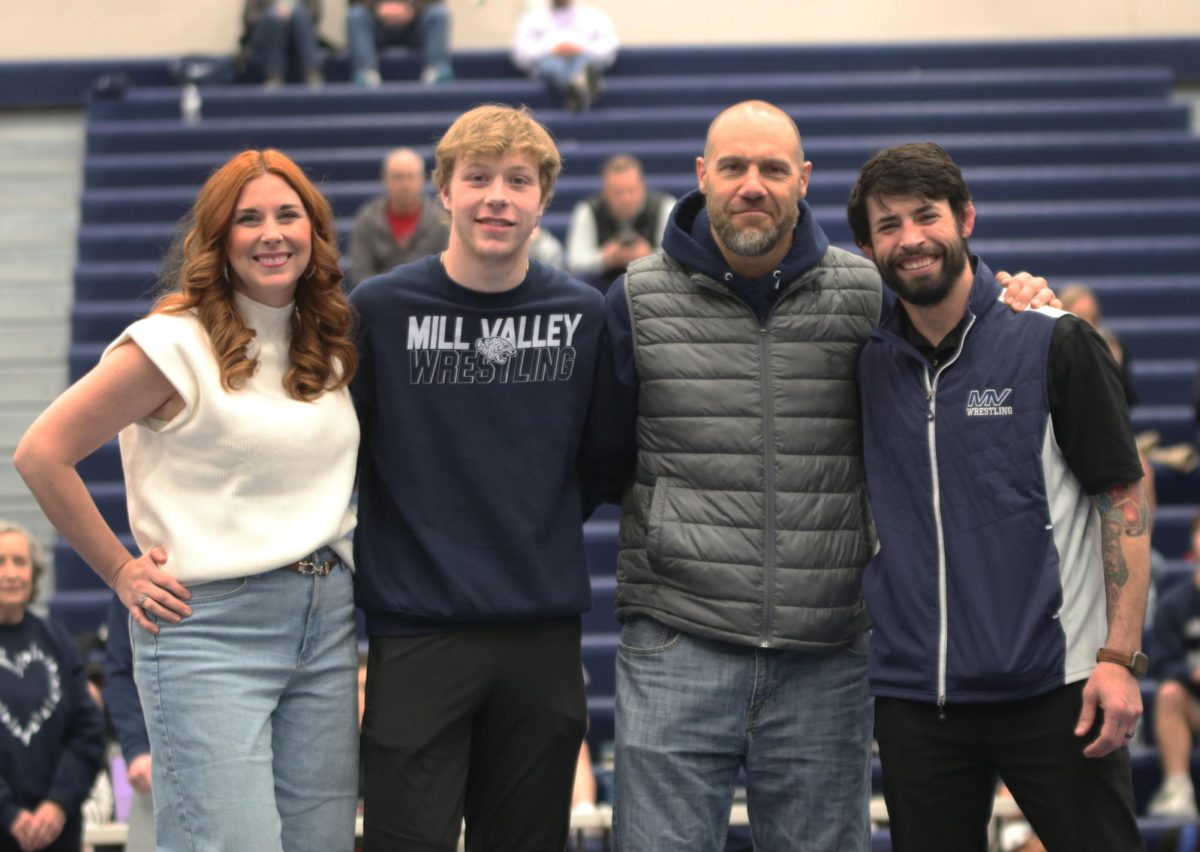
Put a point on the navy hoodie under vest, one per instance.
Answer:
(474, 408)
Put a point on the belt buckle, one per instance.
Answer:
(314, 567)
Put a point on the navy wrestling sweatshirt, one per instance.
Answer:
(473, 408)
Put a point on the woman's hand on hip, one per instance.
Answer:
(146, 589)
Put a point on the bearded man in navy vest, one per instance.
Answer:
(1009, 586)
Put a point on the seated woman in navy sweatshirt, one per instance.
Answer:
(51, 732)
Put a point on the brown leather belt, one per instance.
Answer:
(316, 564)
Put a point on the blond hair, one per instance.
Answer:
(495, 130)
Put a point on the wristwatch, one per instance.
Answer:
(1137, 662)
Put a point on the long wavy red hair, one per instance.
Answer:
(323, 355)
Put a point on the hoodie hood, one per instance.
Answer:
(689, 240)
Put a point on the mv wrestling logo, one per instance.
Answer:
(505, 350)
(988, 403)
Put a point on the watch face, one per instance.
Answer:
(1140, 664)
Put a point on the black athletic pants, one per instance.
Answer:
(484, 723)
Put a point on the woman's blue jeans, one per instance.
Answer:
(250, 704)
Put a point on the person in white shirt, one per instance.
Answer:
(568, 45)
(239, 445)
(615, 227)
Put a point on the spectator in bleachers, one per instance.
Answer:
(401, 225)
(244, 641)
(51, 731)
(1175, 650)
(568, 45)
(125, 710)
(272, 28)
(747, 328)
(1081, 300)
(623, 222)
(420, 24)
(476, 387)
(1025, 663)
(545, 248)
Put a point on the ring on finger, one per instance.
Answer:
(142, 599)
(1129, 735)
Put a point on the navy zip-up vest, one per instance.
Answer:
(988, 583)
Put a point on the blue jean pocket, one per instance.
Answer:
(644, 635)
(217, 590)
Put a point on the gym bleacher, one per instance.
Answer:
(1081, 157)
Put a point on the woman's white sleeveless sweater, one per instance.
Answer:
(239, 482)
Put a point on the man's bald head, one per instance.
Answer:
(403, 158)
(404, 180)
(751, 114)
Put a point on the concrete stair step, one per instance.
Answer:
(59, 254)
(17, 194)
(43, 242)
(37, 149)
(31, 221)
(28, 515)
(11, 484)
(17, 165)
(41, 155)
(35, 302)
(45, 346)
(43, 123)
(66, 182)
(31, 384)
(14, 420)
(16, 236)
(46, 276)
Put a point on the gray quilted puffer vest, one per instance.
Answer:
(747, 520)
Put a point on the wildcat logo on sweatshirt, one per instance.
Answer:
(477, 350)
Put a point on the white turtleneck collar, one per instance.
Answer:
(269, 322)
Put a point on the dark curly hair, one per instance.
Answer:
(921, 169)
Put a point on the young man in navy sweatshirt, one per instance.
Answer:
(473, 391)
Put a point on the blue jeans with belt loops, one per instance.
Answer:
(250, 704)
(692, 711)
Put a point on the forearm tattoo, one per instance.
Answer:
(1123, 512)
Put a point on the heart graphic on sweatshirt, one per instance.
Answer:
(33, 656)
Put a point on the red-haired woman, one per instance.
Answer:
(239, 443)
